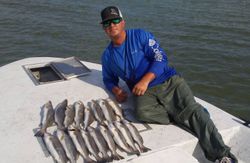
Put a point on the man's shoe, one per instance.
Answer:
(227, 160)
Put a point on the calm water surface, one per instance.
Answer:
(207, 41)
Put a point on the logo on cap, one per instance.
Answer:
(113, 12)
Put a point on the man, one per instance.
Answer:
(160, 94)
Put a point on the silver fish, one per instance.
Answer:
(125, 132)
(107, 111)
(117, 109)
(68, 145)
(47, 120)
(136, 135)
(79, 113)
(55, 148)
(110, 142)
(88, 117)
(100, 142)
(91, 145)
(69, 116)
(118, 138)
(80, 145)
(60, 114)
(97, 111)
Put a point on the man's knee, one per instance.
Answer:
(142, 115)
(152, 116)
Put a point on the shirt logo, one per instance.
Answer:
(151, 42)
(158, 56)
(155, 47)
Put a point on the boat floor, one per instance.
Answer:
(20, 105)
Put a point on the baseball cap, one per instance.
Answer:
(110, 12)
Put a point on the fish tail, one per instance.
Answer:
(108, 158)
(40, 133)
(101, 161)
(116, 156)
(144, 149)
(72, 160)
(84, 127)
(98, 159)
(137, 152)
(63, 129)
(88, 160)
(132, 152)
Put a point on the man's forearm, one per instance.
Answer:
(148, 77)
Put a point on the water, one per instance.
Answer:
(207, 41)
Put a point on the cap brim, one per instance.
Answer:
(110, 18)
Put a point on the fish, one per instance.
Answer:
(117, 109)
(80, 145)
(60, 114)
(91, 145)
(125, 132)
(47, 120)
(135, 135)
(68, 145)
(107, 111)
(110, 142)
(55, 148)
(118, 138)
(97, 111)
(100, 142)
(88, 117)
(79, 114)
(69, 116)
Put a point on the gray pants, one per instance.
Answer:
(173, 101)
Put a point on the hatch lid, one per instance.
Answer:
(70, 67)
(60, 70)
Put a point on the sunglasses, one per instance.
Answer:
(107, 23)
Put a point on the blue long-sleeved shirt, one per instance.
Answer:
(139, 54)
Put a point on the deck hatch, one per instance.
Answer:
(59, 70)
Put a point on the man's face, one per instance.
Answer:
(114, 27)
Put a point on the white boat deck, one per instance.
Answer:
(21, 99)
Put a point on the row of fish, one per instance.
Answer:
(96, 132)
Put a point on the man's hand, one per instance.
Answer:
(141, 87)
(120, 95)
